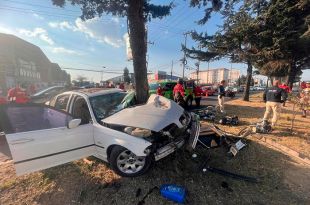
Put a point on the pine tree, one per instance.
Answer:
(126, 75)
(138, 12)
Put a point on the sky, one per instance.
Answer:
(99, 43)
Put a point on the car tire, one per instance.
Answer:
(126, 164)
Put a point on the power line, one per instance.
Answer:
(41, 6)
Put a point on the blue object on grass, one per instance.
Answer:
(173, 192)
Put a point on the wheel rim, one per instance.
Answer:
(129, 163)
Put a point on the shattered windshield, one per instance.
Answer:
(106, 105)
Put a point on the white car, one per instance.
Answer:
(97, 123)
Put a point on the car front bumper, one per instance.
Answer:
(190, 139)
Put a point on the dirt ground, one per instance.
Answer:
(282, 179)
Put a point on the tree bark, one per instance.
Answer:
(246, 93)
(292, 72)
(137, 32)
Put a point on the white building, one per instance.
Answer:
(213, 76)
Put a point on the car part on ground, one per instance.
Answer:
(229, 120)
(206, 167)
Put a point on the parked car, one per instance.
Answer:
(46, 94)
(97, 122)
(208, 90)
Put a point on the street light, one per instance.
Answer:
(102, 73)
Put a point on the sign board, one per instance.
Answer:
(128, 47)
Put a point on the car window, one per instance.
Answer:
(169, 86)
(31, 117)
(189, 84)
(80, 110)
(62, 102)
(153, 86)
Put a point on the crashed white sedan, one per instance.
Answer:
(100, 123)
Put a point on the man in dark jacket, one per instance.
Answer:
(221, 95)
(274, 97)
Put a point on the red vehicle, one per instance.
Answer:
(208, 90)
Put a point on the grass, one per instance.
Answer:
(253, 111)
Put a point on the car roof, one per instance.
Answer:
(91, 92)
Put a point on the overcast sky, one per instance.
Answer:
(92, 44)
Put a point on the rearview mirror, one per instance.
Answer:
(74, 123)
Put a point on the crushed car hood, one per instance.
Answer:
(155, 115)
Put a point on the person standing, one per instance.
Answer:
(160, 90)
(305, 99)
(286, 88)
(198, 93)
(221, 95)
(274, 97)
(178, 88)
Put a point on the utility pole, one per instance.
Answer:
(102, 74)
(171, 70)
(184, 56)
(230, 76)
(208, 73)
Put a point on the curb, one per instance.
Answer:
(285, 149)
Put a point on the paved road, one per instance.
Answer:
(212, 100)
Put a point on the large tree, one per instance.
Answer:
(137, 12)
(285, 38)
(235, 39)
(126, 75)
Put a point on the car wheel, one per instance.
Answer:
(125, 163)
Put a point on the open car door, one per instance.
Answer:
(41, 137)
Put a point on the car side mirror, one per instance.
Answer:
(74, 123)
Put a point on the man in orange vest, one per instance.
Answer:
(178, 88)
(198, 93)
(160, 90)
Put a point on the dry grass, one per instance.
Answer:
(253, 111)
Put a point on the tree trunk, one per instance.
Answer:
(246, 94)
(137, 34)
(292, 72)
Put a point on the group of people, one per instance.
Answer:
(16, 95)
(179, 93)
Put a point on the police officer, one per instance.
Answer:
(274, 97)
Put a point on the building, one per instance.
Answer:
(120, 79)
(160, 75)
(213, 76)
(24, 63)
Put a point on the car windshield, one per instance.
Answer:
(153, 86)
(108, 104)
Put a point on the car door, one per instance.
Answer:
(39, 137)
